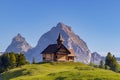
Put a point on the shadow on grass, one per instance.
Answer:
(15, 74)
(52, 63)
(60, 78)
(84, 68)
(42, 62)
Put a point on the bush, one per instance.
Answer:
(107, 67)
(93, 65)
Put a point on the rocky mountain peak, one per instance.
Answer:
(64, 27)
(96, 54)
(71, 41)
(18, 44)
(96, 58)
(60, 24)
(18, 38)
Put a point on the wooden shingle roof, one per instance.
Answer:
(50, 49)
(53, 48)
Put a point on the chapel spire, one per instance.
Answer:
(60, 39)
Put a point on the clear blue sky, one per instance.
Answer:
(97, 22)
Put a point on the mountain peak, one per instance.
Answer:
(71, 41)
(64, 27)
(19, 34)
(96, 58)
(19, 38)
(60, 24)
(18, 44)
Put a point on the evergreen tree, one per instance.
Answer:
(5, 61)
(108, 59)
(16, 56)
(12, 60)
(111, 62)
(0, 61)
(101, 64)
(21, 59)
(33, 61)
(114, 65)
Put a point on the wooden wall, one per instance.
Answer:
(48, 57)
(62, 57)
(71, 58)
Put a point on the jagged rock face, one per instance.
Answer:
(71, 41)
(18, 44)
(96, 58)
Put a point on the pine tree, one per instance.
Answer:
(108, 59)
(5, 59)
(114, 65)
(33, 61)
(16, 56)
(12, 60)
(111, 62)
(101, 64)
(21, 59)
(0, 61)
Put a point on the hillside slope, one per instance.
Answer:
(59, 71)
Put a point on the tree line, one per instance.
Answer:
(110, 63)
(11, 60)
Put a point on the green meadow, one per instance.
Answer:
(59, 71)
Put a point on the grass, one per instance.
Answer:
(59, 71)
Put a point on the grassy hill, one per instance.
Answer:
(59, 71)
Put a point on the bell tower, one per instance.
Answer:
(60, 39)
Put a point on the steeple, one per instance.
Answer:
(60, 39)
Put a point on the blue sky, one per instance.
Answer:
(97, 22)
